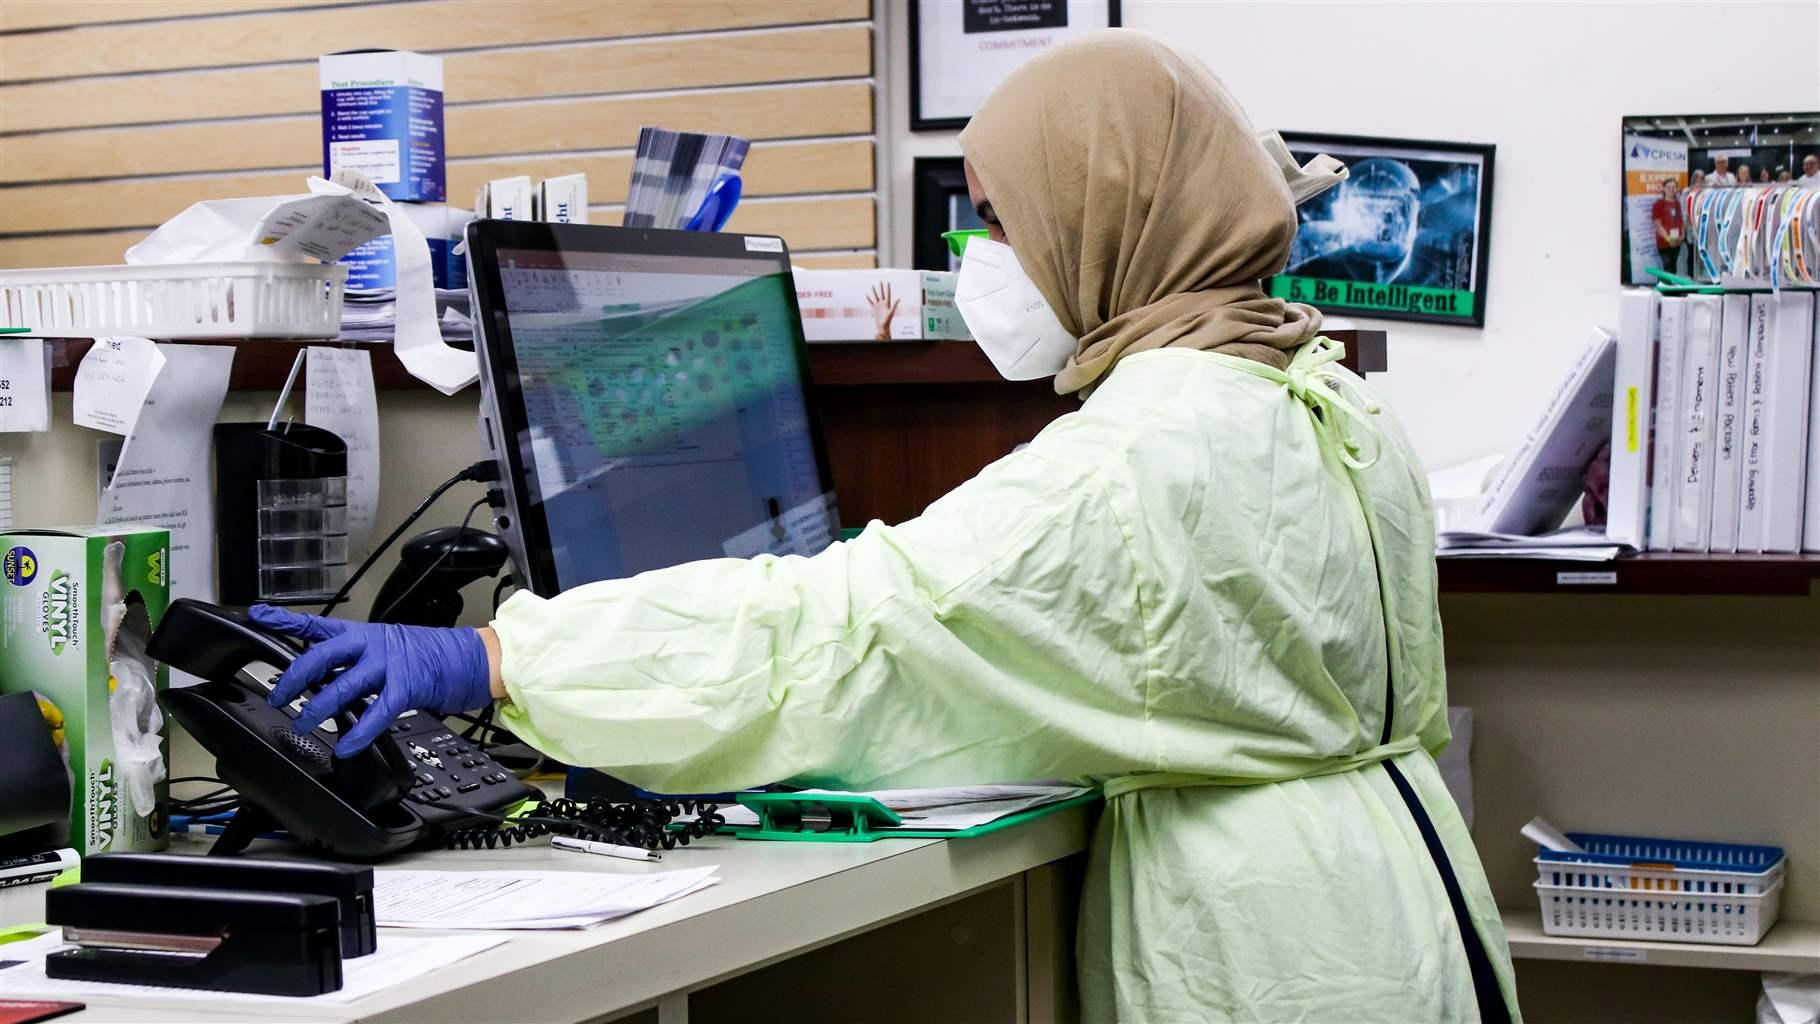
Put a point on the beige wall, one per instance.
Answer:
(423, 439)
(1670, 716)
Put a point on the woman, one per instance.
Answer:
(1212, 589)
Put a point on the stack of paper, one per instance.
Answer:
(1576, 544)
(525, 899)
(672, 173)
(371, 314)
(952, 809)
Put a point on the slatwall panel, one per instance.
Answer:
(117, 114)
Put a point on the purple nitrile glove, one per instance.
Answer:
(411, 668)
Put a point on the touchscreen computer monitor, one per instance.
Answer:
(645, 394)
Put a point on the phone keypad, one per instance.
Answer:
(450, 772)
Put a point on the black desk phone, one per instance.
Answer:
(414, 785)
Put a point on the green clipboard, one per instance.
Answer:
(857, 818)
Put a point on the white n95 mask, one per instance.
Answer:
(1008, 317)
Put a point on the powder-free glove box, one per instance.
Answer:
(54, 644)
(878, 305)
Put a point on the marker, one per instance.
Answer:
(35, 868)
(574, 845)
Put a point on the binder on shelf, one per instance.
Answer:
(1664, 463)
(1633, 398)
(1693, 484)
(1752, 468)
(1810, 527)
(1540, 482)
(1790, 326)
(1728, 422)
(861, 818)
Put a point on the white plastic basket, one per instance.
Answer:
(1661, 890)
(176, 301)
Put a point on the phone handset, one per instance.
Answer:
(351, 804)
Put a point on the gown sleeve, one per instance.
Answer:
(998, 637)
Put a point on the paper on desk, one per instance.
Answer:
(25, 386)
(161, 475)
(416, 338)
(112, 382)
(1569, 554)
(946, 809)
(525, 899)
(339, 396)
(399, 958)
(1572, 537)
(1574, 544)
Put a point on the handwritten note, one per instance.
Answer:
(25, 386)
(161, 476)
(339, 396)
(112, 382)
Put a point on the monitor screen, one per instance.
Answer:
(650, 392)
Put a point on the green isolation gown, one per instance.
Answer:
(1211, 590)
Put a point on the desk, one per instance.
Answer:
(774, 901)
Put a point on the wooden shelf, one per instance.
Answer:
(1650, 573)
(258, 365)
(900, 362)
(1789, 946)
(263, 365)
(836, 364)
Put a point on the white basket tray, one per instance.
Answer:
(176, 301)
(1659, 916)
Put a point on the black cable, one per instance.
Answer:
(380, 616)
(222, 798)
(484, 471)
(646, 824)
(499, 588)
(482, 722)
(207, 810)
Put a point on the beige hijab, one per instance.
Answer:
(1141, 203)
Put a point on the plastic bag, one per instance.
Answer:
(138, 724)
(132, 703)
(1789, 999)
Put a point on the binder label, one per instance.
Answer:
(1586, 579)
(1630, 418)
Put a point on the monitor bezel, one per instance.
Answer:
(528, 532)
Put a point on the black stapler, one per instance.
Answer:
(230, 941)
(350, 885)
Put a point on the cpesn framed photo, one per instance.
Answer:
(961, 49)
(1406, 236)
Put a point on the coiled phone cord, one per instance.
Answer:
(647, 824)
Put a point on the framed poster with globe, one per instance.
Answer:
(1405, 237)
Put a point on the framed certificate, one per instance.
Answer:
(961, 49)
(1406, 236)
